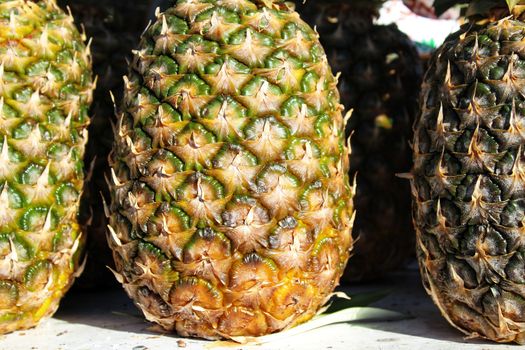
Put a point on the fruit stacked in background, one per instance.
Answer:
(231, 207)
(469, 171)
(380, 80)
(45, 92)
(114, 27)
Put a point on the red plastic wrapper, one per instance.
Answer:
(424, 8)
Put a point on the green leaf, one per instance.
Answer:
(351, 315)
(342, 310)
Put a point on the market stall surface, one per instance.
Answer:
(108, 320)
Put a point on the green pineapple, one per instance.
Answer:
(231, 208)
(380, 80)
(45, 92)
(468, 177)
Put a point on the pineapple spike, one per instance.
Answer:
(354, 185)
(113, 102)
(349, 142)
(5, 210)
(115, 179)
(347, 117)
(47, 223)
(95, 83)
(81, 267)
(76, 245)
(105, 204)
(91, 169)
(4, 155)
(118, 276)
(114, 237)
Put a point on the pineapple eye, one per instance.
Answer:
(22, 131)
(23, 95)
(23, 249)
(31, 175)
(15, 198)
(8, 295)
(66, 194)
(37, 275)
(36, 218)
(58, 151)
(497, 73)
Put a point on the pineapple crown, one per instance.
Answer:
(476, 9)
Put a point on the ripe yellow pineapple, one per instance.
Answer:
(231, 207)
(45, 91)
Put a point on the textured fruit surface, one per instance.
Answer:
(380, 80)
(114, 28)
(469, 184)
(45, 92)
(231, 208)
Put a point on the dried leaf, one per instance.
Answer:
(349, 315)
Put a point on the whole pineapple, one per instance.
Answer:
(45, 93)
(231, 209)
(114, 28)
(468, 177)
(380, 80)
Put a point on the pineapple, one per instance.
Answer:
(381, 74)
(45, 92)
(468, 177)
(114, 28)
(231, 208)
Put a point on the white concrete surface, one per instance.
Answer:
(109, 321)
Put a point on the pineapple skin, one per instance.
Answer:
(45, 92)
(231, 208)
(468, 181)
(381, 74)
(114, 28)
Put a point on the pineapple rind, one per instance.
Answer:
(45, 92)
(231, 209)
(468, 180)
